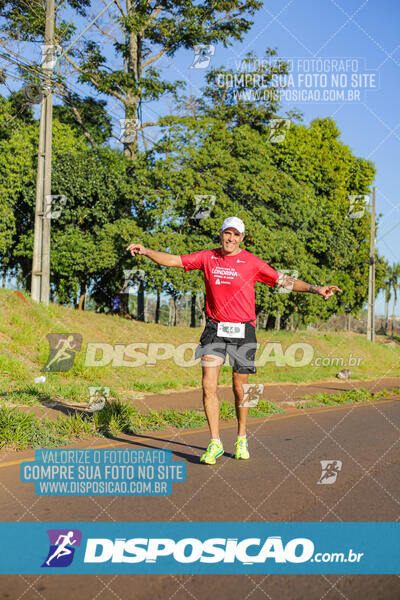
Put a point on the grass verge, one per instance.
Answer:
(283, 356)
(21, 430)
(348, 397)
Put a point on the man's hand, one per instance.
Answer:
(326, 291)
(137, 249)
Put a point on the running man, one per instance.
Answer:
(64, 348)
(230, 275)
(62, 549)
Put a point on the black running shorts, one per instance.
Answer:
(241, 351)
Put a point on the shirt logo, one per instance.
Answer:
(217, 282)
(214, 258)
(242, 261)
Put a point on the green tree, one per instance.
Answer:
(96, 222)
(146, 32)
(388, 295)
(316, 156)
(18, 160)
(16, 122)
(87, 115)
(296, 221)
(88, 236)
(204, 158)
(395, 282)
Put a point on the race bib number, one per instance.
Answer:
(231, 330)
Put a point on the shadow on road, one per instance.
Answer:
(188, 457)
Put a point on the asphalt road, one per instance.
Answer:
(278, 483)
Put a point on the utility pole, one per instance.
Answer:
(371, 280)
(40, 287)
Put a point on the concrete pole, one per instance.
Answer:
(40, 287)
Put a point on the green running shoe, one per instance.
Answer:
(213, 451)
(242, 450)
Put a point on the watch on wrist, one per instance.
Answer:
(312, 286)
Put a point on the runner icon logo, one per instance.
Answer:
(202, 56)
(357, 206)
(62, 351)
(330, 471)
(98, 397)
(251, 394)
(129, 130)
(62, 547)
(204, 205)
(54, 206)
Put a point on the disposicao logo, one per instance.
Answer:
(190, 550)
(62, 547)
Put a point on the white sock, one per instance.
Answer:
(216, 440)
(241, 437)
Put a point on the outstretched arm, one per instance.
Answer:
(161, 258)
(296, 285)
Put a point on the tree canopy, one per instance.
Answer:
(216, 160)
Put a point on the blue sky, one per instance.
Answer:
(365, 33)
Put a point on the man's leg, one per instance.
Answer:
(238, 379)
(211, 366)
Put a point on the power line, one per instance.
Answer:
(387, 232)
(86, 29)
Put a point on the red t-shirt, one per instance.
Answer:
(230, 292)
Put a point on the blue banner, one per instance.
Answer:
(206, 548)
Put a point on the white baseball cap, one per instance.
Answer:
(233, 222)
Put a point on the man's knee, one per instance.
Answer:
(210, 375)
(210, 387)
